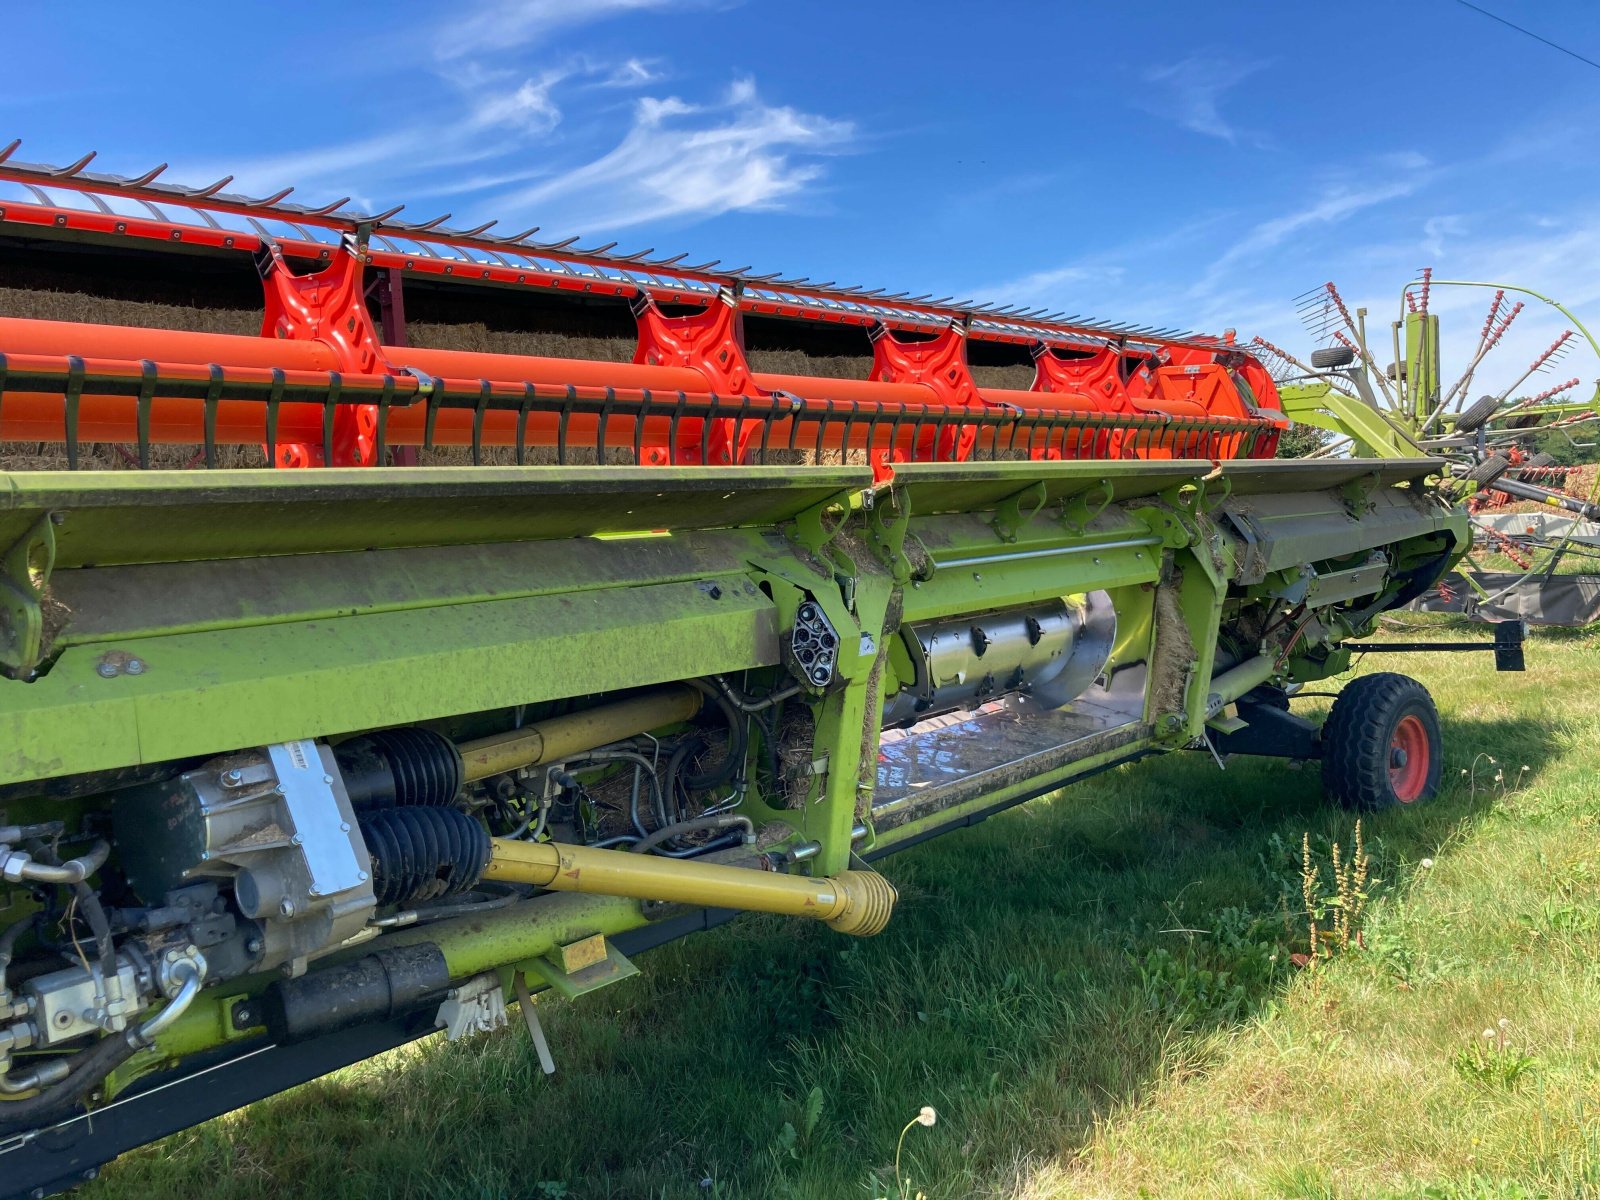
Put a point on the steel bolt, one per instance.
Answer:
(254, 946)
(295, 840)
(344, 826)
(286, 908)
(232, 778)
(327, 779)
(135, 666)
(107, 670)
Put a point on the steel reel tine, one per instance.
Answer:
(140, 181)
(202, 193)
(69, 171)
(327, 208)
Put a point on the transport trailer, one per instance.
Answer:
(298, 765)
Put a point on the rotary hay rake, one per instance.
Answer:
(318, 754)
(1491, 444)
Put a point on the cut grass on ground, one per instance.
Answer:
(1095, 992)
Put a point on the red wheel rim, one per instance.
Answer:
(1410, 756)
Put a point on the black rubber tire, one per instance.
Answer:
(1489, 469)
(1479, 411)
(1358, 741)
(1330, 357)
(1539, 460)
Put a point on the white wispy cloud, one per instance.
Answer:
(680, 160)
(1337, 203)
(1190, 92)
(498, 99)
(496, 140)
(502, 25)
(632, 73)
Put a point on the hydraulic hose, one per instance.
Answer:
(715, 823)
(733, 759)
(65, 1082)
(19, 866)
(84, 1072)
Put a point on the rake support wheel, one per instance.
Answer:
(1380, 746)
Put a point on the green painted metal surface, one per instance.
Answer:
(266, 607)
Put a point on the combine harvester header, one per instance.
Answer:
(336, 392)
(311, 763)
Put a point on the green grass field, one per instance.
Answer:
(1097, 993)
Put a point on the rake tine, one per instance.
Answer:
(13, 147)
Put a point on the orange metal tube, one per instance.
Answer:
(19, 335)
(117, 350)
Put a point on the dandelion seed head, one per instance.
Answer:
(927, 1117)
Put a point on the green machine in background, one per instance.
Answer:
(1496, 445)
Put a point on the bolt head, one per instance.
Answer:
(134, 666)
(107, 670)
(344, 826)
(327, 779)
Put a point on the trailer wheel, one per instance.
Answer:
(1329, 357)
(1380, 745)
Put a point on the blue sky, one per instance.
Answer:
(1169, 163)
